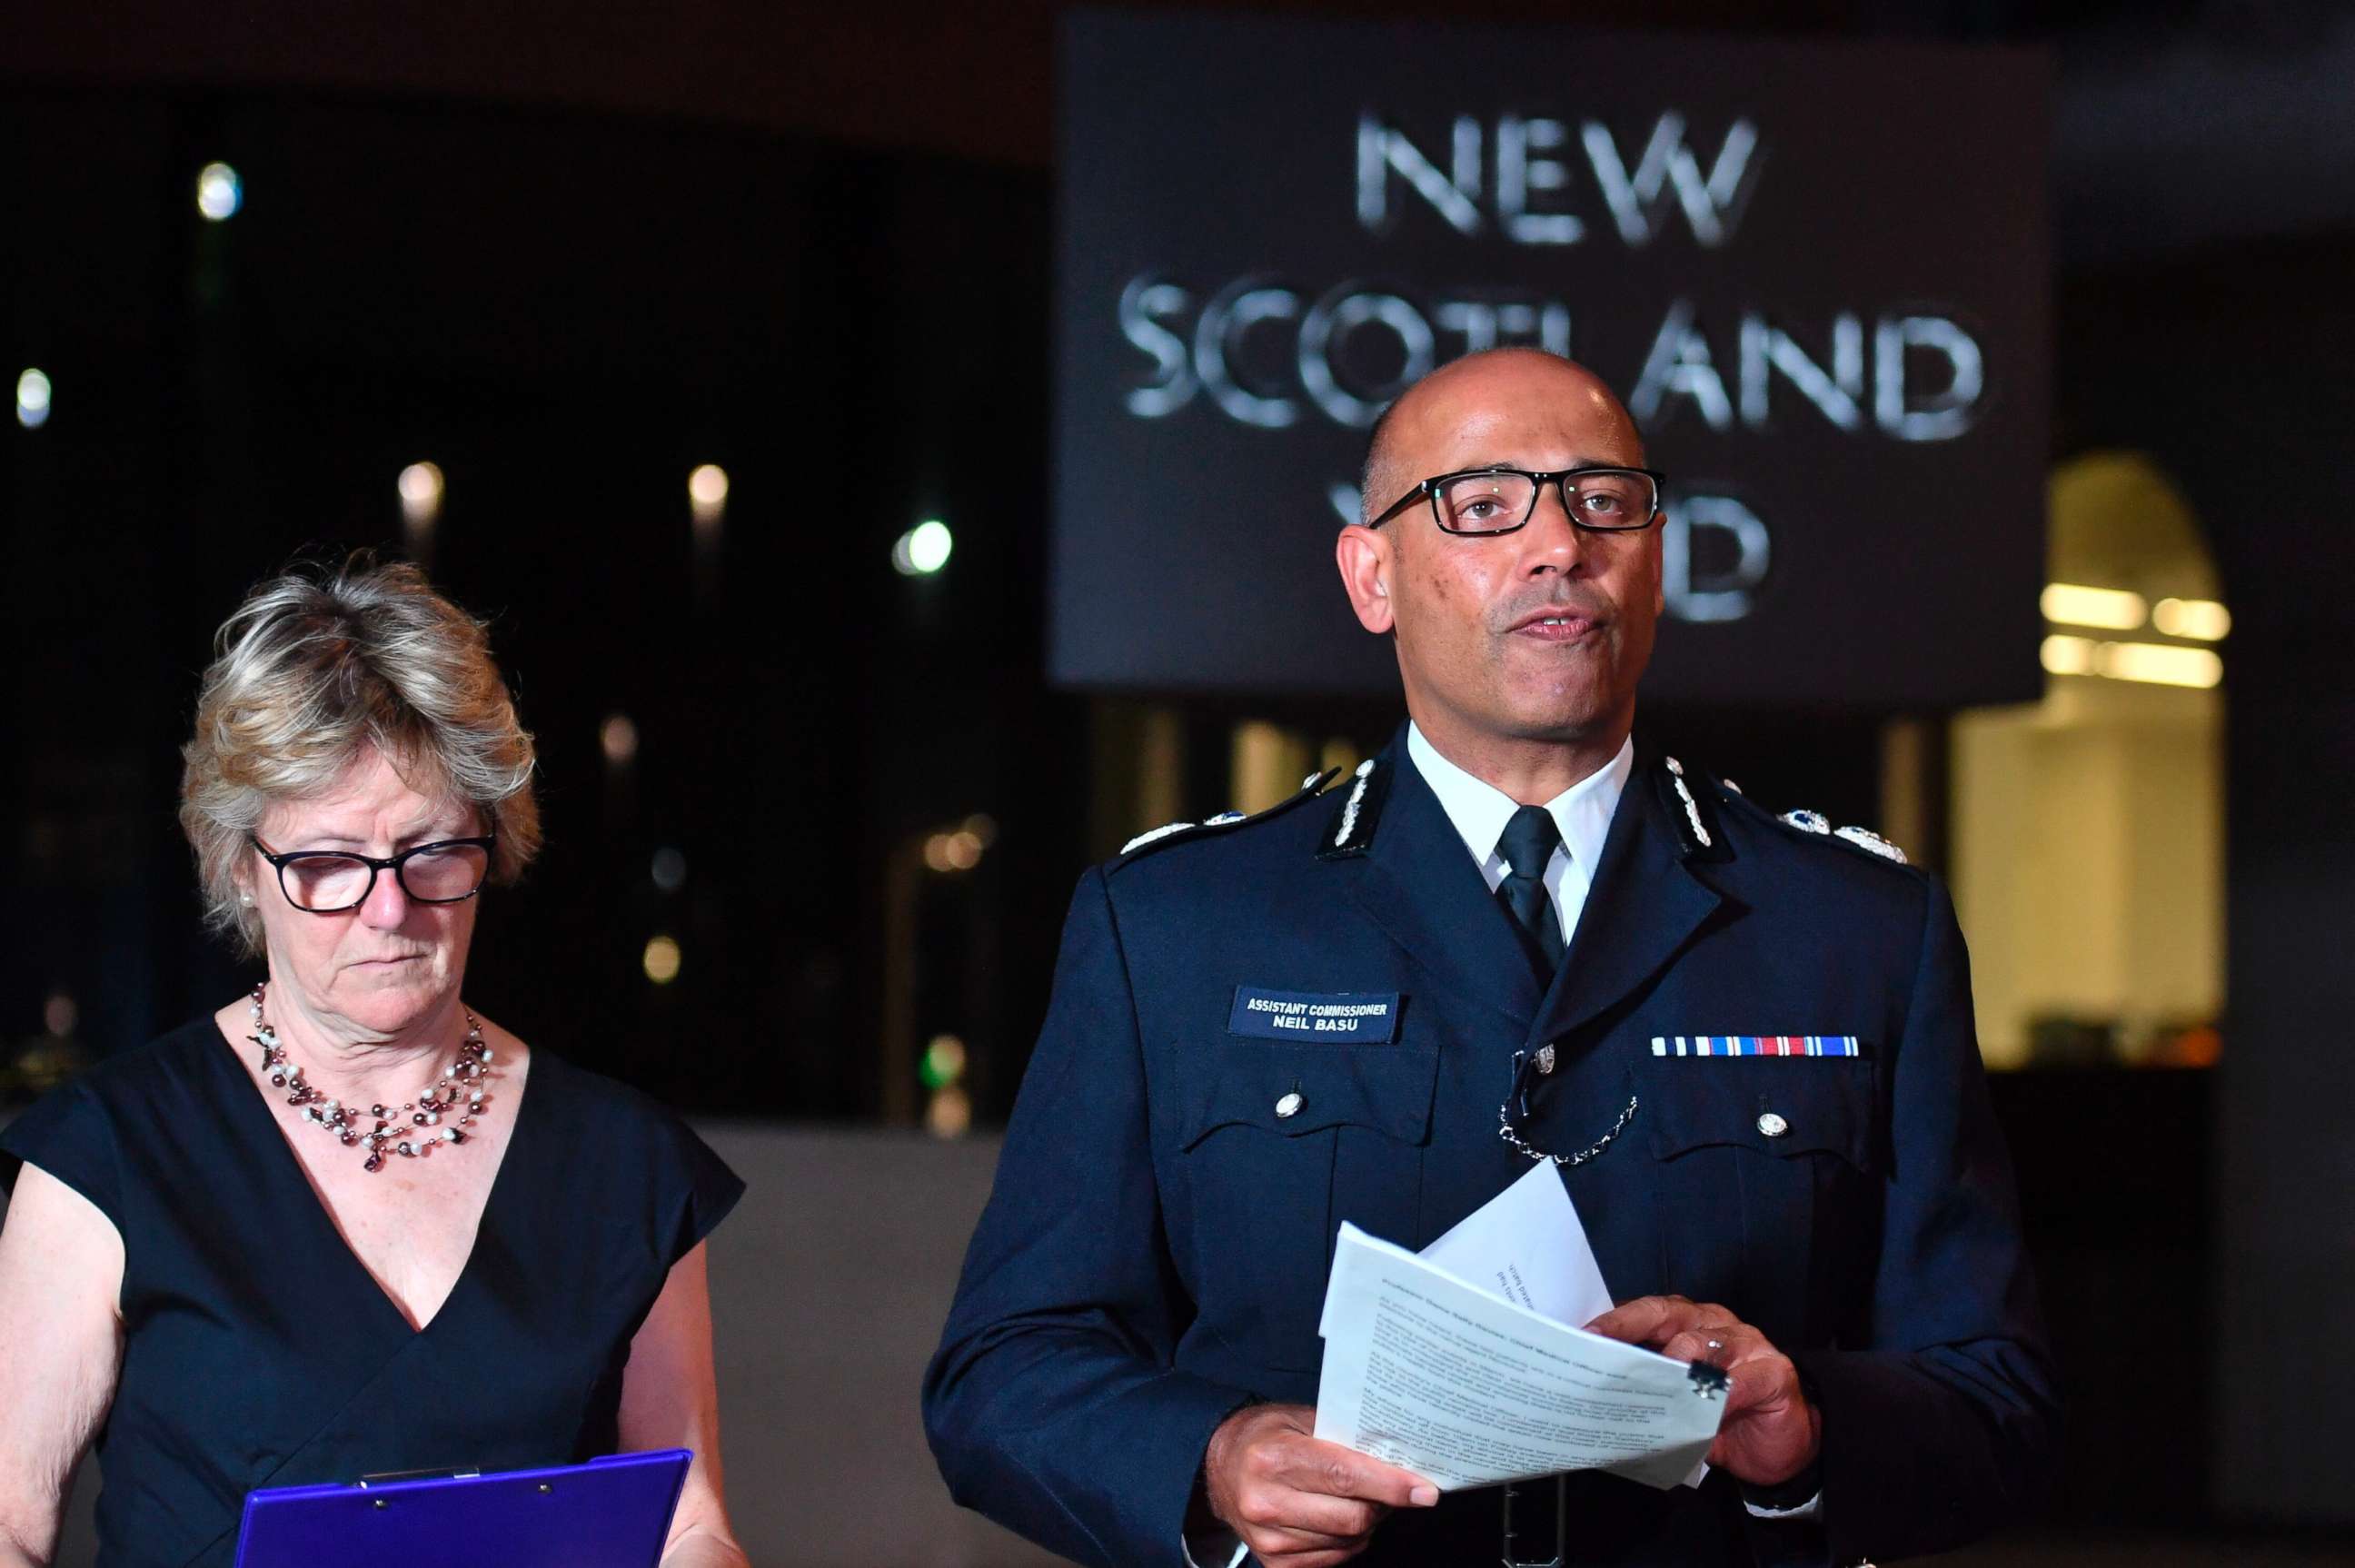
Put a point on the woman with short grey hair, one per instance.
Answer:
(288, 706)
(346, 1225)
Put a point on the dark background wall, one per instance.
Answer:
(2229, 364)
(566, 311)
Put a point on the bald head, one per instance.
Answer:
(1458, 405)
(1519, 646)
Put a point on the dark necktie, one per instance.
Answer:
(1527, 844)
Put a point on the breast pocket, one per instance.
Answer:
(1268, 1125)
(1765, 1186)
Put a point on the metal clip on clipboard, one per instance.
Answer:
(390, 1478)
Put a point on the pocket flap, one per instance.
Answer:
(1778, 1106)
(1291, 1090)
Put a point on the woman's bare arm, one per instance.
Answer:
(670, 1399)
(60, 1351)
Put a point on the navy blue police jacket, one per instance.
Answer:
(1154, 1253)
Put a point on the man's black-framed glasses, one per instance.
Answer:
(1500, 500)
(330, 881)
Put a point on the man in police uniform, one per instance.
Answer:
(1745, 1041)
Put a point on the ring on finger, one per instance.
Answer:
(1715, 1346)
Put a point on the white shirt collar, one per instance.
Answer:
(1480, 810)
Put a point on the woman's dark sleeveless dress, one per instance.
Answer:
(260, 1353)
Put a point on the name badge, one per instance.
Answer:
(1342, 1017)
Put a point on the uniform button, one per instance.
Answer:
(1289, 1105)
(1772, 1126)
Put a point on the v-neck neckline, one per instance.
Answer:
(525, 1098)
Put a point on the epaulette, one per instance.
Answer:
(1816, 825)
(1351, 831)
(1170, 833)
(1699, 835)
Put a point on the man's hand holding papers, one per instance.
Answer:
(1422, 1370)
(1771, 1433)
(1459, 1368)
(1469, 1388)
(1297, 1501)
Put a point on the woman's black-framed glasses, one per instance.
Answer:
(330, 881)
(1500, 500)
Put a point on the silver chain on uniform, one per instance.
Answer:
(1506, 1132)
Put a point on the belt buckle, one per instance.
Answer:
(1531, 1520)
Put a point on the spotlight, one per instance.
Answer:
(943, 1062)
(661, 959)
(420, 493)
(2072, 604)
(707, 492)
(32, 399)
(949, 1114)
(2156, 664)
(2160, 663)
(2203, 619)
(922, 549)
(220, 193)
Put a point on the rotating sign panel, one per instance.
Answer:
(1817, 274)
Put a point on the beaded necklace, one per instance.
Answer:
(461, 1079)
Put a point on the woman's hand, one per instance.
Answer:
(697, 1549)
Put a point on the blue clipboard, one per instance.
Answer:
(608, 1513)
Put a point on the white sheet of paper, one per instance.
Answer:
(1526, 1245)
(1466, 1389)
